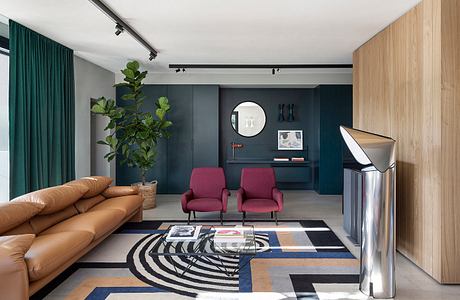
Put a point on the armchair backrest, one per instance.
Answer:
(207, 182)
(258, 182)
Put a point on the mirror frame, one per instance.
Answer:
(252, 136)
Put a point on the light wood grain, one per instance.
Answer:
(406, 85)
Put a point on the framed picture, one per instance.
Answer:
(290, 139)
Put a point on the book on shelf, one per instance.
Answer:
(280, 159)
(297, 159)
(183, 233)
(229, 235)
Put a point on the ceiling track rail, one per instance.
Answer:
(261, 66)
(120, 23)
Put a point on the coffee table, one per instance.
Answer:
(205, 247)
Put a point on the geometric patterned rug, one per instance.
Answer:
(301, 259)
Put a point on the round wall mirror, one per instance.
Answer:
(248, 119)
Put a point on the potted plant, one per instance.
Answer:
(134, 134)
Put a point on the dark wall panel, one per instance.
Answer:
(205, 126)
(265, 145)
(335, 102)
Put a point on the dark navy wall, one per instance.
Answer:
(194, 135)
(202, 134)
(265, 145)
(334, 106)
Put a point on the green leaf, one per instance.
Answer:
(128, 73)
(133, 65)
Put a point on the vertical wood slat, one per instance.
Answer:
(406, 85)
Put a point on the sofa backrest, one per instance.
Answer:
(13, 214)
(95, 185)
(54, 198)
(42, 222)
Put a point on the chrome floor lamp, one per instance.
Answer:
(377, 274)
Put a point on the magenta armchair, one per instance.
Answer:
(208, 192)
(258, 192)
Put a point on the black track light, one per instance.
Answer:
(273, 71)
(183, 70)
(118, 29)
(152, 55)
(177, 70)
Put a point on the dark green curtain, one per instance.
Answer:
(41, 112)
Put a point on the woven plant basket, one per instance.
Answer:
(148, 193)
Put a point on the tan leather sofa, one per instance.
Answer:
(46, 231)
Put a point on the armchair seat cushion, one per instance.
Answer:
(204, 204)
(260, 205)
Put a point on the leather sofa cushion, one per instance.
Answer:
(118, 191)
(54, 198)
(49, 252)
(95, 184)
(97, 222)
(83, 205)
(40, 223)
(127, 204)
(24, 228)
(13, 214)
(14, 282)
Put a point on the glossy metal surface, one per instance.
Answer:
(377, 276)
(370, 148)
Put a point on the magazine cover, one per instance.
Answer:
(183, 233)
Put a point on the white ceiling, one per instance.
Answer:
(210, 31)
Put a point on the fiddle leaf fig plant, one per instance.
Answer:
(133, 133)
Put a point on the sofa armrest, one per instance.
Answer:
(14, 278)
(278, 197)
(225, 194)
(119, 191)
(240, 197)
(186, 197)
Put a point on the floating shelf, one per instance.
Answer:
(268, 162)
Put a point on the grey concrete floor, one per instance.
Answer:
(411, 281)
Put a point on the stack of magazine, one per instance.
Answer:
(183, 233)
(230, 236)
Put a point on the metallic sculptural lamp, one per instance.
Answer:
(377, 275)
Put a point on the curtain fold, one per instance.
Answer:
(41, 112)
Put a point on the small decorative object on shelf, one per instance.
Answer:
(291, 113)
(235, 146)
(290, 139)
(280, 159)
(297, 159)
(280, 112)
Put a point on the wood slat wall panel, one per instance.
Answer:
(406, 85)
(450, 226)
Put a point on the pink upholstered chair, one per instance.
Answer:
(258, 192)
(208, 192)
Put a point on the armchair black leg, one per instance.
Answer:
(221, 218)
(244, 216)
(188, 220)
(276, 218)
(194, 215)
(271, 214)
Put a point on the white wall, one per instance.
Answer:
(4, 130)
(91, 81)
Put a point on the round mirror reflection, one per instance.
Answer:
(248, 119)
